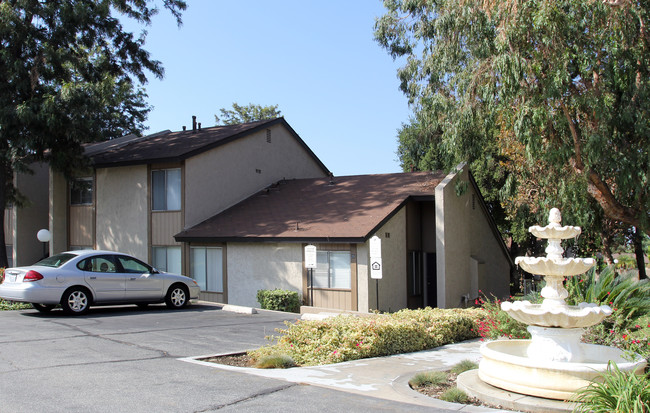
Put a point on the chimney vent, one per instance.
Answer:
(184, 128)
(193, 123)
(199, 125)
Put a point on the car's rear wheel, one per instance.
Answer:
(177, 296)
(43, 308)
(75, 301)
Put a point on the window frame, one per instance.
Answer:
(154, 206)
(330, 274)
(221, 269)
(73, 186)
(166, 268)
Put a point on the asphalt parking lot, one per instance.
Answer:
(124, 359)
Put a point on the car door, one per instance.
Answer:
(104, 278)
(142, 282)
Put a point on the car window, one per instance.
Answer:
(56, 261)
(131, 265)
(99, 263)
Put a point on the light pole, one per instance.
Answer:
(44, 236)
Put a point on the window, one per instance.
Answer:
(206, 267)
(333, 270)
(98, 264)
(166, 190)
(81, 191)
(132, 266)
(167, 259)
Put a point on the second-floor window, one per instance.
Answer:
(81, 191)
(166, 189)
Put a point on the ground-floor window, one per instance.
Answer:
(206, 267)
(333, 270)
(167, 259)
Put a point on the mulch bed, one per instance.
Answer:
(236, 360)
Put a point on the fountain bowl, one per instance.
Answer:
(555, 266)
(504, 364)
(582, 315)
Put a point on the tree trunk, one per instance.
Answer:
(638, 250)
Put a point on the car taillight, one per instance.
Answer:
(32, 276)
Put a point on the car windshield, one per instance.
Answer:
(56, 261)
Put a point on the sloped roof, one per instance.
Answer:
(340, 209)
(168, 146)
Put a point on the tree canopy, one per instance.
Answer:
(70, 74)
(554, 93)
(244, 114)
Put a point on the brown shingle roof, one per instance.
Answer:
(170, 146)
(349, 210)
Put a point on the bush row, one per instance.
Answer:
(279, 300)
(344, 337)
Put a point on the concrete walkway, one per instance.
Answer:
(381, 377)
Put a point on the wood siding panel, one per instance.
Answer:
(164, 225)
(82, 225)
(212, 297)
(335, 299)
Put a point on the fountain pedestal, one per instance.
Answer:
(553, 363)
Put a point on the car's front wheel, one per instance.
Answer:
(76, 301)
(177, 297)
(43, 308)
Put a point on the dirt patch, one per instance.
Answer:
(236, 360)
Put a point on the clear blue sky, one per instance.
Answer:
(317, 60)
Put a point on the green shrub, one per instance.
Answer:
(275, 361)
(618, 392)
(464, 366)
(279, 300)
(428, 378)
(454, 395)
(12, 305)
(342, 338)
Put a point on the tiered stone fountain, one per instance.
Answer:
(554, 363)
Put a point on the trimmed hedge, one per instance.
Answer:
(279, 300)
(343, 338)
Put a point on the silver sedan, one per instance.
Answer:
(78, 279)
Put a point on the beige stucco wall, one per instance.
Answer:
(392, 285)
(228, 174)
(27, 221)
(256, 266)
(121, 195)
(465, 244)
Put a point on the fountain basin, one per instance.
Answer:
(555, 231)
(565, 267)
(504, 364)
(580, 316)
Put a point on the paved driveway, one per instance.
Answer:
(123, 359)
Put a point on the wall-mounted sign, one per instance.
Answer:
(311, 260)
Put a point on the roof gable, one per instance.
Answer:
(343, 209)
(177, 146)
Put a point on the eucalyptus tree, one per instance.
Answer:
(70, 74)
(561, 88)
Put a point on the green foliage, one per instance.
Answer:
(618, 392)
(428, 378)
(344, 338)
(275, 361)
(71, 74)
(279, 300)
(244, 114)
(464, 366)
(553, 93)
(11, 305)
(454, 395)
(497, 323)
(628, 297)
